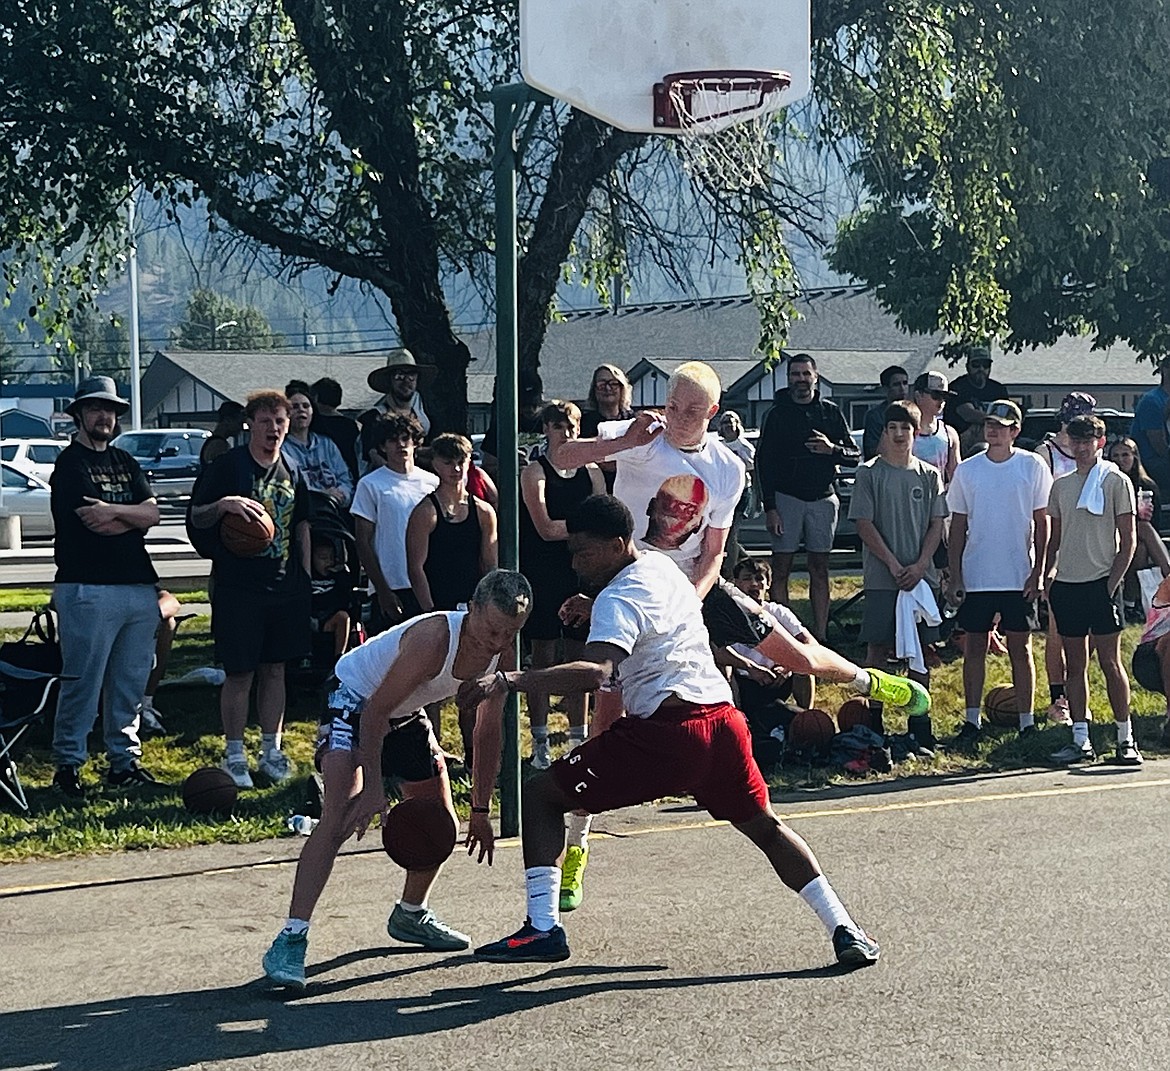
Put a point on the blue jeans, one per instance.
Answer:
(107, 636)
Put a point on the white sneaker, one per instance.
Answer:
(238, 768)
(275, 766)
(541, 755)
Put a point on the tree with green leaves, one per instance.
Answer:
(213, 322)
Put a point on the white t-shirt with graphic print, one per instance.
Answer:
(676, 495)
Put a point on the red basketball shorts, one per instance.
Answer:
(683, 749)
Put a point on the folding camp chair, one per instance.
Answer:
(24, 696)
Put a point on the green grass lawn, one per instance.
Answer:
(154, 817)
(14, 599)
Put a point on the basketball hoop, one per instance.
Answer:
(722, 119)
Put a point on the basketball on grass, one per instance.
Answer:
(1000, 707)
(210, 791)
(854, 712)
(810, 731)
(419, 834)
(245, 537)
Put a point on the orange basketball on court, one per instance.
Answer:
(811, 730)
(854, 712)
(1000, 707)
(245, 537)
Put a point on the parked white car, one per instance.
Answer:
(26, 497)
(34, 456)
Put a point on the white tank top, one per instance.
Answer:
(1060, 462)
(934, 447)
(364, 668)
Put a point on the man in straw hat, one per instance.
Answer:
(398, 381)
(104, 591)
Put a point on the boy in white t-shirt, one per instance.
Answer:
(680, 482)
(999, 535)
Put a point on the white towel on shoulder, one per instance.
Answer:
(1093, 493)
(914, 606)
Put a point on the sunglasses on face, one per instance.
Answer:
(404, 375)
(937, 395)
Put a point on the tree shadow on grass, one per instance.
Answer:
(197, 1027)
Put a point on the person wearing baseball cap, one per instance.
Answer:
(936, 443)
(999, 535)
(104, 591)
(399, 381)
(973, 391)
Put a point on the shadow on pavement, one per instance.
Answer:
(193, 1027)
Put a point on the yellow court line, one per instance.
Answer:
(676, 827)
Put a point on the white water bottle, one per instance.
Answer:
(300, 823)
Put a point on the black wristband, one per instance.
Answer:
(481, 810)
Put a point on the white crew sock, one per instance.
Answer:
(1125, 731)
(269, 742)
(1080, 733)
(577, 829)
(296, 926)
(973, 716)
(235, 750)
(862, 683)
(1027, 718)
(819, 895)
(544, 896)
(414, 909)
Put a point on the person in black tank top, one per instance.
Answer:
(549, 497)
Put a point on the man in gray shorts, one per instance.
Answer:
(803, 440)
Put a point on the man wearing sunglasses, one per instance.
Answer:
(973, 393)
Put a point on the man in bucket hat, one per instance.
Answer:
(104, 591)
(398, 381)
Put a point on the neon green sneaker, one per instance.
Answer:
(898, 692)
(572, 877)
(284, 962)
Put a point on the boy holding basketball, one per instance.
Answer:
(375, 725)
(681, 734)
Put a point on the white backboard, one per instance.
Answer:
(605, 56)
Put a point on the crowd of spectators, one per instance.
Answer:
(950, 513)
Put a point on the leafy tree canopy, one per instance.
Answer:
(213, 322)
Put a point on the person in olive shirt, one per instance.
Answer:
(104, 592)
(259, 605)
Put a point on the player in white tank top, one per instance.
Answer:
(382, 685)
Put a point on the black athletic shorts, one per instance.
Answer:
(409, 751)
(254, 627)
(1081, 609)
(978, 609)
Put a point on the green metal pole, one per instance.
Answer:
(508, 103)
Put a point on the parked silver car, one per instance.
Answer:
(169, 457)
(27, 497)
(34, 456)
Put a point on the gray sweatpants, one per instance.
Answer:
(107, 641)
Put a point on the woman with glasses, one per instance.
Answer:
(610, 397)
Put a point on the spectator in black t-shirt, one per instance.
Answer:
(610, 398)
(225, 433)
(327, 421)
(530, 427)
(104, 592)
(259, 605)
(973, 393)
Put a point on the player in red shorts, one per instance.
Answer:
(681, 734)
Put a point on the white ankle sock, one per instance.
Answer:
(414, 909)
(1080, 733)
(819, 895)
(544, 896)
(296, 926)
(1125, 731)
(577, 830)
(1027, 717)
(269, 742)
(973, 716)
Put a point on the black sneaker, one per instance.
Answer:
(66, 781)
(855, 948)
(530, 945)
(134, 774)
(967, 738)
(1127, 754)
